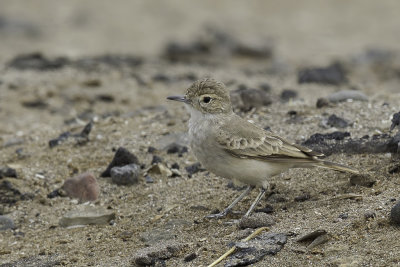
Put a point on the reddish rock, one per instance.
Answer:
(83, 187)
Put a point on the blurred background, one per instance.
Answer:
(302, 31)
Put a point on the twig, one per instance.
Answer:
(229, 252)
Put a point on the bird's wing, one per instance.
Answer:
(246, 140)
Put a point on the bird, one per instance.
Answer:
(234, 148)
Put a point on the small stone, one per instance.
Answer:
(175, 166)
(318, 241)
(333, 74)
(288, 94)
(190, 257)
(6, 223)
(194, 168)
(85, 215)
(369, 215)
(256, 220)
(83, 187)
(160, 169)
(121, 158)
(311, 236)
(161, 251)
(156, 159)
(254, 250)
(362, 180)
(267, 209)
(322, 102)
(302, 198)
(343, 216)
(321, 138)
(176, 148)
(151, 149)
(395, 121)
(7, 172)
(246, 99)
(126, 175)
(335, 121)
(149, 179)
(395, 213)
(347, 94)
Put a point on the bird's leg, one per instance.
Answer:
(229, 208)
(258, 198)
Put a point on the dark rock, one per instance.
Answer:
(322, 102)
(80, 138)
(344, 95)
(277, 198)
(333, 74)
(151, 149)
(6, 223)
(36, 61)
(302, 198)
(265, 87)
(149, 179)
(126, 175)
(83, 187)
(343, 216)
(311, 236)
(156, 159)
(369, 215)
(7, 172)
(159, 77)
(107, 98)
(245, 99)
(175, 166)
(161, 251)
(176, 148)
(121, 158)
(321, 138)
(9, 193)
(362, 180)
(395, 213)
(253, 51)
(194, 168)
(256, 249)
(190, 257)
(54, 194)
(394, 169)
(267, 209)
(288, 94)
(92, 83)
(395, 121)
(36, 103)
(335, 121)
(256, 220)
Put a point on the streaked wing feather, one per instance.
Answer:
(246, 140)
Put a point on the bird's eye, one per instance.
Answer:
(207, 99)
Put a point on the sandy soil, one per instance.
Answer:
(312, 33)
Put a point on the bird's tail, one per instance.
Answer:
(338, 167)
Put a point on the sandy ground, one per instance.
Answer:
(311, 33)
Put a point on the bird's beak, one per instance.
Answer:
(180, 98)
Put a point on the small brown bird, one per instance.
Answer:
(234, 148)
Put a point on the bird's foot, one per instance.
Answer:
(218, 215)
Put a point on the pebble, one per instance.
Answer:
(302, 198)
(333, 74)
(85, 215)
(176, 148)
(190, 257)
(6, 223)
(344, 95)
(121, 158)
(161, 251)
(156, 159)
(362, 180)
(246, 99)
(321, 138)
(395, 121)
(395, 213)
(149, 179)
(126, 175)
(335, 121)
(288, 94)
(256, 249)
(160, 169)
(256, 220)
(369, 215)
(83, 187)
(322, 102)
(194, 168)
(7, 172)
